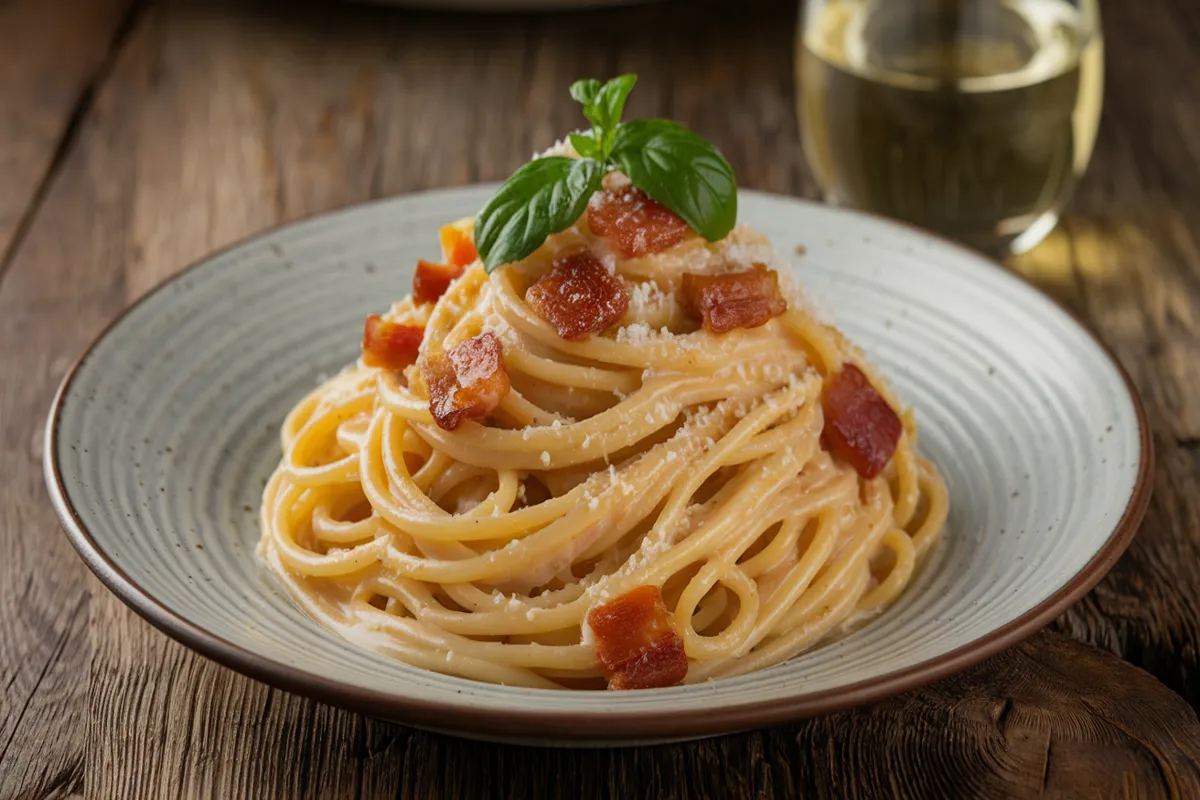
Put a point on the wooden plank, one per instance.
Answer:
(1023, 723)
(241, 122)
(51, 54)
(203, 171)
(217, 123)
(1128, 259)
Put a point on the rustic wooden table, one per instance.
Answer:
(136, 138)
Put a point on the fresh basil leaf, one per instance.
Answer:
(543, 197)
(609, 102)
(603, 105)
(680, 170)
(584, 144)
(584, 91)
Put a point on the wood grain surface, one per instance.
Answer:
(135, 138)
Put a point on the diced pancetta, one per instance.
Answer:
(431, 281)
(466, 382)
(579, 297)
(457, 247)
(635, 223)
(637, 645)
(735, 300)
(389, 344)
(860, 427)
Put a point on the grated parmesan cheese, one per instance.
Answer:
(562, 147)
(637, 333)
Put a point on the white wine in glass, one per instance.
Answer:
(971, 118)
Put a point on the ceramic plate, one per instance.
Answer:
(161, 438)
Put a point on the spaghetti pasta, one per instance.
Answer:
(655, 452)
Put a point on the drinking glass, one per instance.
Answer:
(971, 118)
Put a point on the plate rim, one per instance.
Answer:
(581, 727)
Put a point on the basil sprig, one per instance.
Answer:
(680, 170)
(662, 158)
(543, 197)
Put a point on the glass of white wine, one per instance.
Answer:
(971, 118)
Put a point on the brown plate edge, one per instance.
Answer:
(579, 728)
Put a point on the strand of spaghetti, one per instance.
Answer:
(780, 550)
(908, 489)
(860, 541)
(828, 591)
(651, 408)
(770, 409)
(815, 557)
(512, 655)
(519, 412)
(421, 517)
(796, 581)
(812, 338)
(336, 562)
(437, 463)
(725, 642)
(572, 375)
(457, 303)
(328, 523)
(441, 661)
(311, 443)
(904, 556)
(710, 610)
(938, 500)
(532, 546)
(580, 609)
(797, 639)
(400, 401)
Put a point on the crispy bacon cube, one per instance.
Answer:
(737, 300)
(389, 344)
(467, 382)
(578, 297)
(860, 427)
(431, 281)
(636, 643)
(457, 246)
(636, 224)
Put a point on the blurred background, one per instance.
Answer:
(972, 118)
(137, 137)
(976, 118)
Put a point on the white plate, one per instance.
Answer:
(161, 438)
